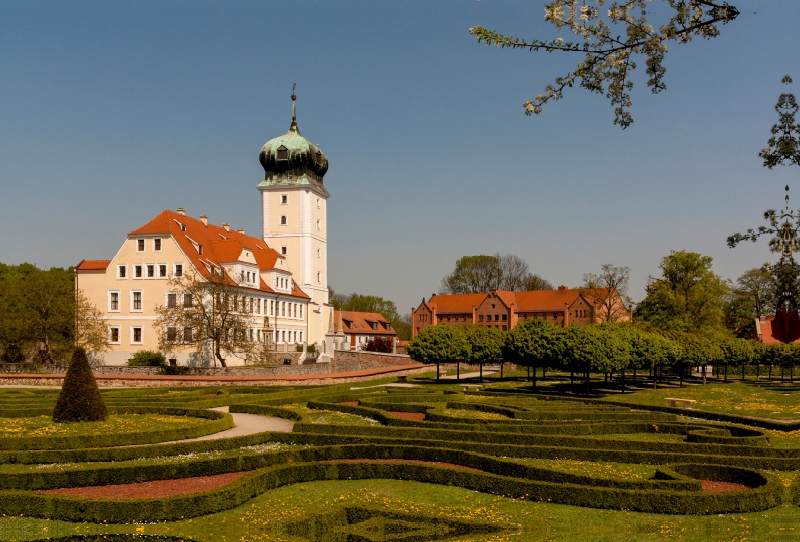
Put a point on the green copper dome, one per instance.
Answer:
(292, 160)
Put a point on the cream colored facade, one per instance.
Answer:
(283, 275)
(131, 285)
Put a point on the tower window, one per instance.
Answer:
(318, 224)
(284, 199)
(319, 277)
(283, 153)
(317, 203)
(319, 253)
(283, 220)
(283, 250)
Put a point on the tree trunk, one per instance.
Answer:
(458, 371)
(437, 371)
(704, 374)
(769, 373)
(533, 386)
(758, 371)
(219, 356)
(587, 383)
(501, 370)
(481, 369)
(726, 373)
(680, 374)
(782, 369)
(622, 374)
(634, 375)
(791, 374)
(572, 378)
(543, 369)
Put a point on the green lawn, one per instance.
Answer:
(115, 424)
(264, 519)
(741, 399)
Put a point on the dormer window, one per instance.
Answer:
(283, 153)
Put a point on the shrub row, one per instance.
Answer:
(267, 410)
(218, 421)
(71, 508)
(328, 527)
(317, 435)
(701, 414)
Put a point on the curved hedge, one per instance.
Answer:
(678, 495)
(219, 421)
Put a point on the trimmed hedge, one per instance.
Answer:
(266, 410)
(669, 501)
(219, 421)
(701, 414)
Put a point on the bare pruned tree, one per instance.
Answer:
(203, 312)
(477, 274)
(609, 291)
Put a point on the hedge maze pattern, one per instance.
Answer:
(502, 442)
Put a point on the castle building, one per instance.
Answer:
(281, 278)
(504, 309)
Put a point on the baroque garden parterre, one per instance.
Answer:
(496, 464)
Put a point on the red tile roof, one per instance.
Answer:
(219, 246)
(455, 304)
(361, 323)
(782, 329)
(93, 265)
(532, 301)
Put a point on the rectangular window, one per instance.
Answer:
(480, 318)
(113, 301)
(283, 250)
(178, 269)
(295, 310)
(157, 245)
(122, 271)
(504, 327)
(284, 199)
(187, 301)
(272, 308)
(258, 306)
(172, 334)
(136, 335)
(137, 271)
(555, 315)
(187, 335)
(137, 301)
(172, 301)
(301, 313)
(162, 271)
(140, 245)
(113, 334)
(505, 317)
(151, 271)
(283, 308)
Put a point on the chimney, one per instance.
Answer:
(204, 220)
(181, 211)
(563, 288)
(762, 319)
(241, 231)
(226, 226)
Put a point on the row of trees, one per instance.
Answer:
(606, 348)
(42, 318)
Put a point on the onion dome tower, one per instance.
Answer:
(294, 215)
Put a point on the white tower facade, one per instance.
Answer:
(294, 206)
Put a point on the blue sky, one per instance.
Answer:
(113, 111)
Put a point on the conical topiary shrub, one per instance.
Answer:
(80, 399)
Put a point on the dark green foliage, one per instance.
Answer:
(379, 344)
(148, 358)
(80, 399)
(175, 370)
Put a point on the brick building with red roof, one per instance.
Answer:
(504, 309)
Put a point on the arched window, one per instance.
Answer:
(283, 153)
(318, 223)
(283, 220)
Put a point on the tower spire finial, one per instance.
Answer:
(293, 126)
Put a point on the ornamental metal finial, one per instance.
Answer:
(293, 126)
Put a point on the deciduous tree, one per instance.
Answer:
(609, 52)
(609, 291)
(208, 312)
(440, 344)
